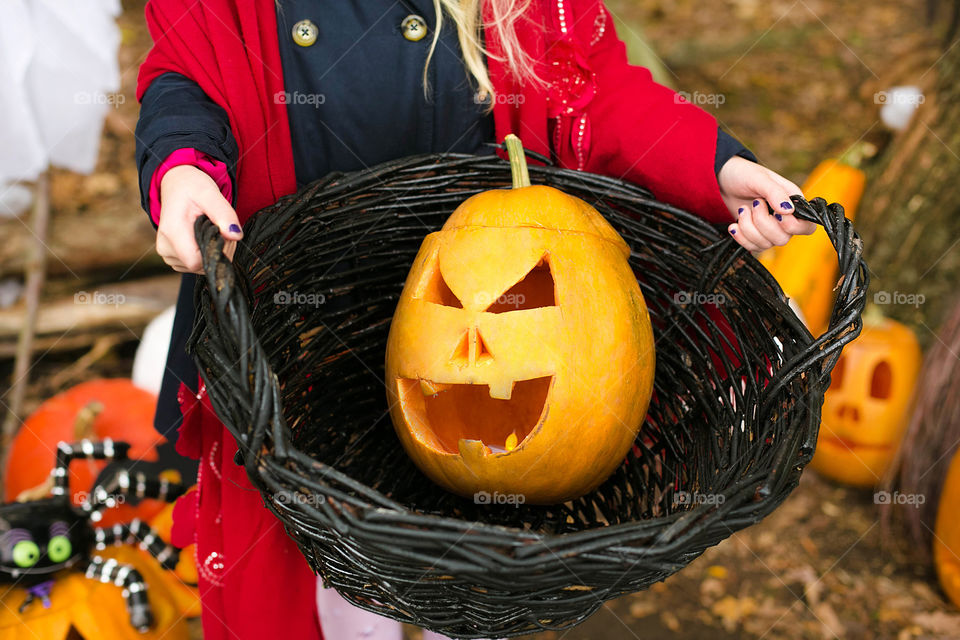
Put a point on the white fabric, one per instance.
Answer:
(151, 357)
(342, 620)
(58, 71)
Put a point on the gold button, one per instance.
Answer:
(414, 28)
(305, 33)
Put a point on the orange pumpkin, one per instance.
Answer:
(520, 358)
(127, 415)
(946, 542)
(92, 609)
(866, 408)
(806, 267)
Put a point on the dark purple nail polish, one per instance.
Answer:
(733, 232)
(786, 206)
(234, 228)
(756, 203)
(778, 217)
(740, 210)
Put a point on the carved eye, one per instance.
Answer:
(437, 291)
(534, 291)
(881, 382)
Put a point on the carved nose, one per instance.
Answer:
(846, 412)
(471, 349)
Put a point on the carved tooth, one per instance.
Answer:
(432, 388)
(472, 449)
(501, 390)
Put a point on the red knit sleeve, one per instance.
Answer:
(637, 129)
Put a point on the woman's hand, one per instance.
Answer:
(747, 188)
(187, 193)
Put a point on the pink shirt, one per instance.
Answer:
(210, 165)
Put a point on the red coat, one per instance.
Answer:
(593, 111)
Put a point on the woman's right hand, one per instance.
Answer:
(187, 193)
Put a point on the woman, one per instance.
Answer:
(245, 100)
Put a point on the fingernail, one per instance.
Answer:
(756, 203)
(234, 228)
(786, 205)
(733, 232)
(778, 217)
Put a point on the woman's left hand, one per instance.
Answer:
(747, 188)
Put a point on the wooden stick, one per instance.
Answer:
(36, 270)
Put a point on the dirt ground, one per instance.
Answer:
(797, 80)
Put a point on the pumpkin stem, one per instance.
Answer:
(83, 424)
(518, 162)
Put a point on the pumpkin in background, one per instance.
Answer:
(946, 542)
(93, 609)
(806, 267)
(520, 358)
(866, 408)
(127, 415)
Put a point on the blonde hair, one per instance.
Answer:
(468, 17)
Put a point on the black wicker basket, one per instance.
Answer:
(290, 341)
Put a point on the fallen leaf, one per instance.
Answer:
(717, 571)
(732, 610)
(670, 621)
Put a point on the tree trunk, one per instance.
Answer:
(910, 216)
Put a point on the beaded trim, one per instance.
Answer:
(599, 26)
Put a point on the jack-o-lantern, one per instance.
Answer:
(123, 412)
(866, 408)
(946, 542)
(520, 359)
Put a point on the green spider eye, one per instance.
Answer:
(25, 554)
(59, 548)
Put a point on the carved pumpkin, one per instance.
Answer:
(126, 415)
(92, 609)
(806, 267)
(520, 358)
(866, 408)
(946, 542)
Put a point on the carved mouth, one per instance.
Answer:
(442, 415)
(853, 445)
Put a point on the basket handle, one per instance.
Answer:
(854, 279)
(231, 311)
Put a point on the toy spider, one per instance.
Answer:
(41, 537)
